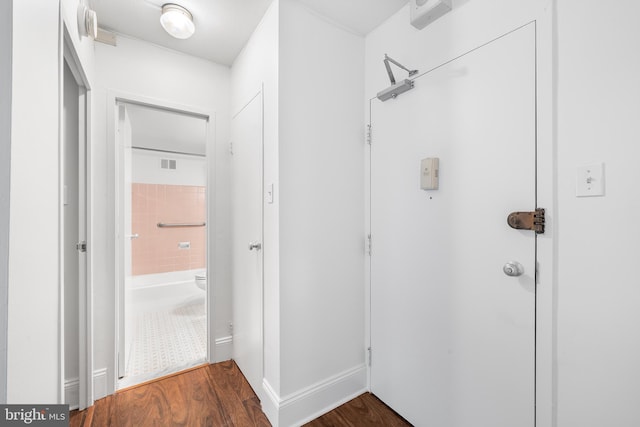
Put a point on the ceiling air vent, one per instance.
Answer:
(167, 164)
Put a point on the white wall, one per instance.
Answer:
(313, 232)
(598, 102)
(146, 70)
(6, 19)
(257, 66)
(321, 199)
(33, 355)
(190, 170)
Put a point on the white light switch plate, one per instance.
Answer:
(590, 180)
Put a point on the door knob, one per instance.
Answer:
(255, 245)
(513, 269)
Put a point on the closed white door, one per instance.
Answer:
(246, 134)
(452, 336)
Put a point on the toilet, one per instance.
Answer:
(201, 280)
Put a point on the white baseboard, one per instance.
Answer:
(224, 348)
(72, 393)
(310, 403)
(100, 383)
(72, 388)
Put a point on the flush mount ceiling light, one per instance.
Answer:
(177, 21)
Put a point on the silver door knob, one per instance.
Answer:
(513, 269)
(255, 245)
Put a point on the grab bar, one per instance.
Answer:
(187, 224)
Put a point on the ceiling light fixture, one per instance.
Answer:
(177, 21)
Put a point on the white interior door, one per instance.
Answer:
(452, 336)
(246, 133)
(124, 225)
(72, 220)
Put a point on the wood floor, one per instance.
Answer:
(213, 395)
(365, 410)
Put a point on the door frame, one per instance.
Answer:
(546, 244)
(69, 55)
(114, 98)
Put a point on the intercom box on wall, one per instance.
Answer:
(429, 171)
(424, 12)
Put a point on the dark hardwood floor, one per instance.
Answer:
(213, 395)
(365, 410)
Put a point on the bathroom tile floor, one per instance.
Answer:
(164, 336)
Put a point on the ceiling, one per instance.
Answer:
(224, 26)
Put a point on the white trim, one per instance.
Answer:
(224, 349)
(72, 393)
(72, 388)
(311, 402)
(271, 404)
(546, 377)
(6, 81)
(100, 381)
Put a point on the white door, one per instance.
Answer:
(246, 131)
(452, 336)
(124, 174)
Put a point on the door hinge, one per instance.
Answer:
(231, 147)
(534, 221)
(369, 137)
(82, 247)
(368, 244)
(369, 355)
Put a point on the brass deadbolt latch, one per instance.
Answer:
(527, 220)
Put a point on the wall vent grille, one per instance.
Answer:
(168, 164)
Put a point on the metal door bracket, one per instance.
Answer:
(82, 247)
(527, 220)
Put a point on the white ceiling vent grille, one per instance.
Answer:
(168, 164)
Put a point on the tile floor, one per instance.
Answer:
(164, 334)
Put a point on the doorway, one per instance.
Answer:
(452, 336)
(162, 249)
(77, 385)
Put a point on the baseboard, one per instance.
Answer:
(100, 383)
(309, 403)
(271, 403)
(72, 393)
(224, 348)
(72, 388)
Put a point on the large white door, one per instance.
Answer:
(452, 336)
(246, 131)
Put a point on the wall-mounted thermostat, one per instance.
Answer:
(424, 12)
(429, 171)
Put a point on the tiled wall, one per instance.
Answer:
(156, 250)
